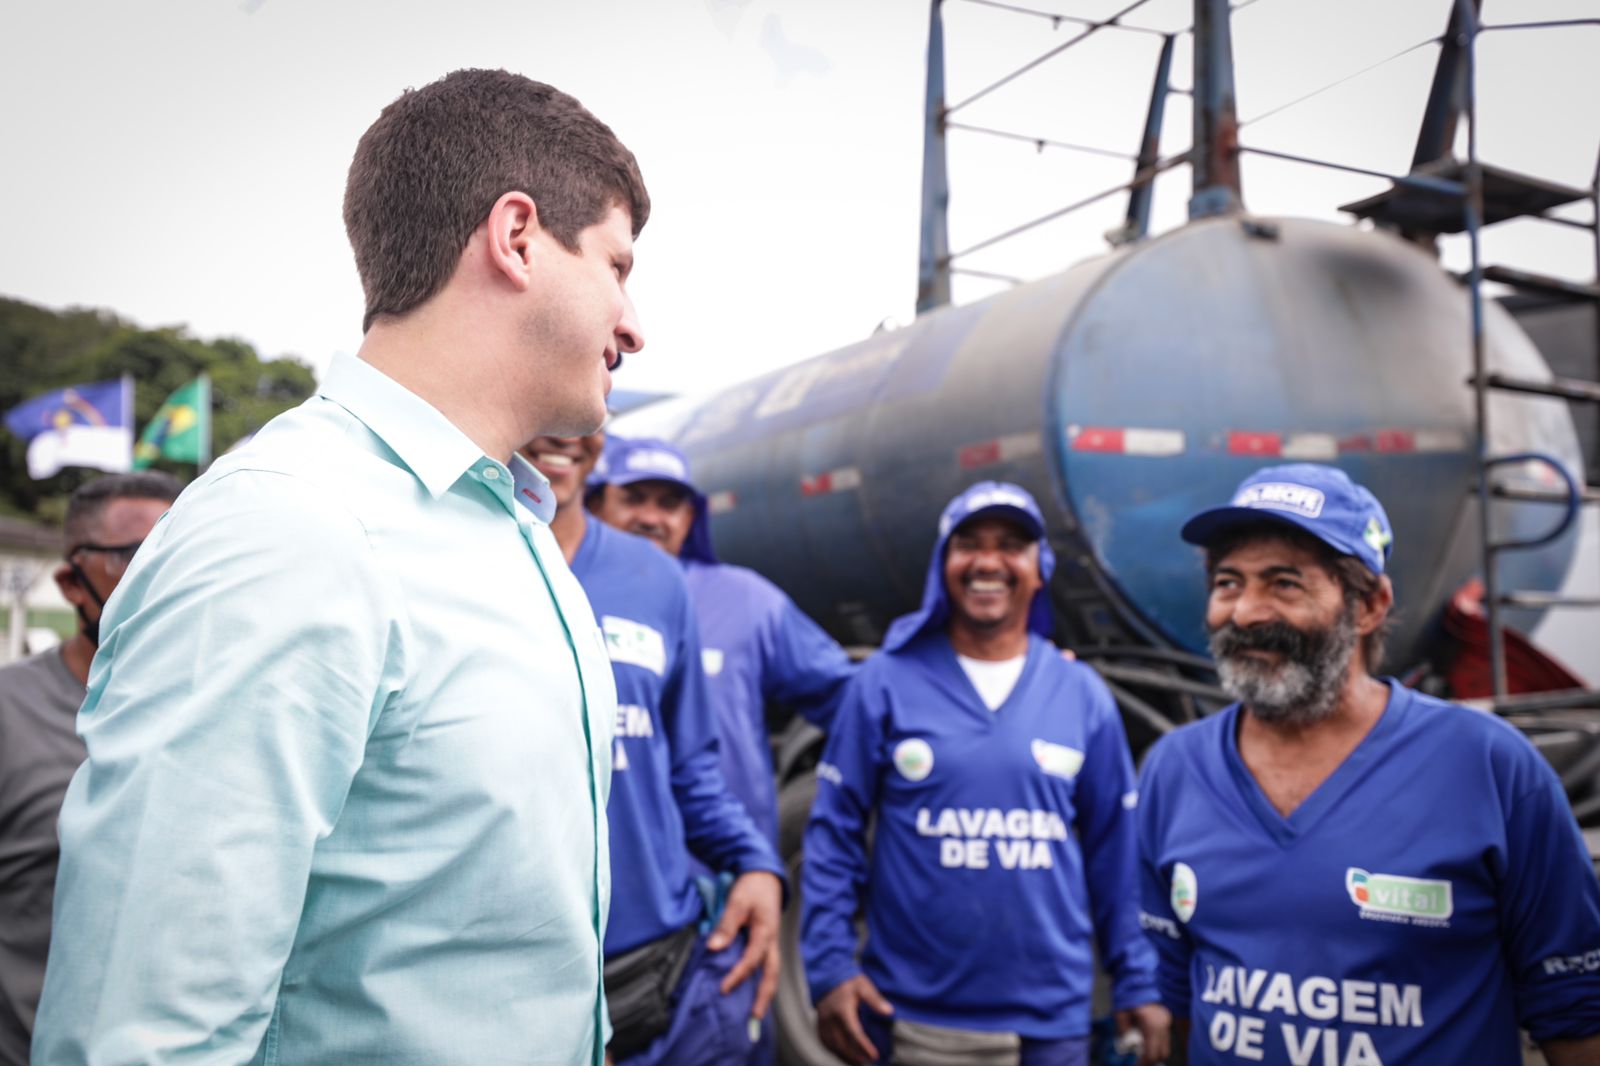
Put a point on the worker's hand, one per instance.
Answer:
(839, 1019)
(1069, 655)
(1153, 1024)
(609, 1060)
(755, 903)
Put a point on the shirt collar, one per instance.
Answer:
(427, 442)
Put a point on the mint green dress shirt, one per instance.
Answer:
(349, 757)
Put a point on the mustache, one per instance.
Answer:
(1229, 640)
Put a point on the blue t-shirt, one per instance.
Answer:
(1430, 896)
(668, 798)
(1005, 845)
(758, 647)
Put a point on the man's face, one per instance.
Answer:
(663, 511)
(580, 322)
(991, 572)
(566, 462)
(1282, 633)
(93, 570)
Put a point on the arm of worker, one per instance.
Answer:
(719, 831)
(804, 668)
(834, 876)
(1549, 904)
(1107, 798)
(227, 714)
(1166, 935)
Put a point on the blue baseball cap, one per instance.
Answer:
(628, 460)
(999, 499)
(1322, 500)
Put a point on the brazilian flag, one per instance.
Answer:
(181, 430)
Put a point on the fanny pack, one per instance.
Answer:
(916, 1044)
(642, 987)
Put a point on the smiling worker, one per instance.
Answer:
(684, 980)
(1337, 869)
(1003, 793)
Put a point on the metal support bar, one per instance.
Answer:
(1464, 23)
(1139, 179)
(933, 258)
(1447, 96)
(1550, 24)
(1442, 186)
(1558, 388)
(1216, 118)
(988, 274)
(1137, 225)
(1039, 142)
(1057, 50)
(1542, 600)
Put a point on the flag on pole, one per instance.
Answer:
(181, 429)
(80, 425)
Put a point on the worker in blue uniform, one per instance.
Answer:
(683, 986)
(1336, 869)
(1000, 782)
(758, 648)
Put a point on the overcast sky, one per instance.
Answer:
(183, 162)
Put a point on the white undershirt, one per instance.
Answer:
(994, 680)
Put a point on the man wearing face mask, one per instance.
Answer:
(999, 777)
(1337, 869)
(107, 518)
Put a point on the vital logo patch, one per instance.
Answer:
(1390, 897)
(1282, 496)
(913, 758)
(1185, 891)
(1058, 760)
(632, 642)
(711, 661)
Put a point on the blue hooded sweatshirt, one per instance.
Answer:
(758, 647)
(1005, 840)
(668, 798)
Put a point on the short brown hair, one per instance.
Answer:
(1358, 583)
(89, 501)
(427, 172)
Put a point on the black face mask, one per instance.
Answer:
(91, 626)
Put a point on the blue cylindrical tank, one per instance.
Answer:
(1127, 393)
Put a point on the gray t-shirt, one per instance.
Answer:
(39, 751)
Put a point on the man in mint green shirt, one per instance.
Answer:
(349, 725)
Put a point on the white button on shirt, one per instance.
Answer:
(349, 758)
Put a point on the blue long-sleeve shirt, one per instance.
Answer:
(345, 793)
(668, 797)
(1430, 897)
(758, 647)
(1005, 843)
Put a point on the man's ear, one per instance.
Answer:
(1375, 608)
(511, 227)
(71, 586)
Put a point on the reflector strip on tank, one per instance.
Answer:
(1016, 446)
(840, 480)
(1265, 444)
(1126, 440)
(720, 502)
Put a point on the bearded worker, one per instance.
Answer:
(997, 777)
(1337, 869)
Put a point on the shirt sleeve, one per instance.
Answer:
(835, 871)
(246, 656)
(1550, 911)
(719, 831)
(1108, 833)
(805, 668)
(1165, 933)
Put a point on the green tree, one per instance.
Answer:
(42, 349)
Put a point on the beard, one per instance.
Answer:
(1300, 690)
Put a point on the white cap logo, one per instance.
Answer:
(1282, 496)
